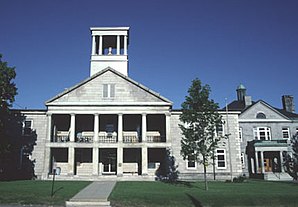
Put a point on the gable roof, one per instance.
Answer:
(240, 106)
(118, 74)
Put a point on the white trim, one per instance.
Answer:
(264, 120)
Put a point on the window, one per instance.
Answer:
(221, 158)
(262, 133)
(191, 163)
(240, 134)
(261, 115)
(108, 90)
(285, 133)
(27, 127)
(220, 130)
(242, 160)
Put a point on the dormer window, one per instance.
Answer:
(261, 115)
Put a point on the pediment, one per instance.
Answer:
(261, 111)
(108, 87)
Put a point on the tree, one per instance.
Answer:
(8, 91)
(291, 162)
(199, 117)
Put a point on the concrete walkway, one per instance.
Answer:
(95, 194)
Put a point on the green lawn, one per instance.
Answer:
(251, 193)
(39, 192)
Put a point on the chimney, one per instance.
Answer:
(288, 103)
(247, 101)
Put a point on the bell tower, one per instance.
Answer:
(109, 49)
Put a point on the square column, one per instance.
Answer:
(100, 45)
(72, 127)
(281, 161)
(96, 127)
(144, 161)
(262, 162)
(71, 160)
(47, 163)
(49, 133)
(119, 161)
(125, 45)
(95, 161)
(144, 128)
(168, 127)
(120, 127)
(118, 44)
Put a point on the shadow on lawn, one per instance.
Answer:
(195, 201)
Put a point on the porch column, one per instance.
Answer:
(144, 161)
(125, 45)
(119, 161)
(281, 161)
(118, 44)
(71, 160)
(93, 45)
(95, 161)
(49, 134)
(168, 127)
(47, 163)
(262, 162)
(252, 165)
(144, 127)
(257, 162)
(72, 127)
(120, 127)
(100, 45)
(96, 127)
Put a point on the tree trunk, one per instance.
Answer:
(205, 174)
(214, 176)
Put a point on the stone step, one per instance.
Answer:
(88, 203)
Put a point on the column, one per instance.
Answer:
(49, 134)
(71, 160)
(125, 45)
(281, 161)
(262, 162)
(96, 127)
(72, 127)
(252, 166)
(168, 127)
(144, 127)
(257, 162)
(93, 52)
(144, 161)
(120, 127)
(95, 160)
(119, 161)
(100, 45)
(47, 163)
(118, 44)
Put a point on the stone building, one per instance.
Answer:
(110, 126)
(265, 132)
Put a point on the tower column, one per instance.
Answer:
(93, 45)
(100, 45)
(118, 44)
(125, 45)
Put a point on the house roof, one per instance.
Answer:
(118, 74)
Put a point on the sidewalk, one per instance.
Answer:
(95, 194)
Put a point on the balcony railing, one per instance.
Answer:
(153, 136)
(107, 137)
(130, 137)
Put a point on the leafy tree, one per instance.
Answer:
(291, 162)
(199, 117)
(8, 91)
(167, 171)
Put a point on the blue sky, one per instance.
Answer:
(221, 42)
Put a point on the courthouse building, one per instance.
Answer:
(110, 126)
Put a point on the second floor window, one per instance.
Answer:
(285, 133)
(262, 133)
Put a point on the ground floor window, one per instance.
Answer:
(221, 158)
(191, 163)
(242, 160)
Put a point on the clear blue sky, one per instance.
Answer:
(221, 42)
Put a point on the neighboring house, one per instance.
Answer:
(265, 132)
(112, 126)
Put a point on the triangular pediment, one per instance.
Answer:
(96, 90)
(261, 107)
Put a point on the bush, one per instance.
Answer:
(239, 179)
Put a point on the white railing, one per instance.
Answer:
(130, 137)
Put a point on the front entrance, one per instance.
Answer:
(268, 165)
(108, 160)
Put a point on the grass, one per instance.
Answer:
(251, 193)
(38, 192)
